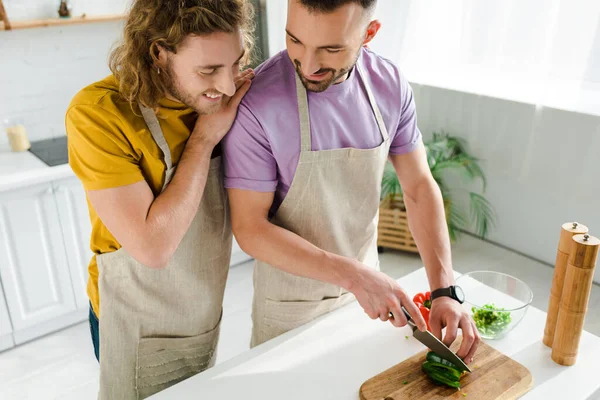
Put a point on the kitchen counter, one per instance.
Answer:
(23, 169)
(332, 356)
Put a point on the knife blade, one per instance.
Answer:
(436, 345)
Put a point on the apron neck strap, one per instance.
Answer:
(159, 138)
(157, 133)
(305, 139)
(301, 94)
(374, 106)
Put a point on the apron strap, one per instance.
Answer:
(305, 139)
(374, 106)
(160, 140)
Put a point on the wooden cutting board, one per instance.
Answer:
(495, 377)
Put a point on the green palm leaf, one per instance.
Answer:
(457, 221)
(483, 214)
(456, 163)
(449, 154)
(390, 184)
(474, 170)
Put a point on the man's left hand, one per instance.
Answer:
(448, 313)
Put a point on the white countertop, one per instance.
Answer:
(24, 169)
(332, 356)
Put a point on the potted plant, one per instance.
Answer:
(446, 155)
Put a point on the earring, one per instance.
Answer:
(158, 70)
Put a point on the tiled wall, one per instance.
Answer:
(42, 68)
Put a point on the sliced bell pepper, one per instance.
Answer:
(433, 357)
(441, 371)
(443, 380)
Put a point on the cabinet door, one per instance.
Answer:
(33, 264)
(6, 337)
(76, 228)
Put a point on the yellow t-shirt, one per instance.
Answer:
(110, 146)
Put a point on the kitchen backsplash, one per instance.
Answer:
(41, 69)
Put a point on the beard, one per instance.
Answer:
(176, 89)
(321, 86)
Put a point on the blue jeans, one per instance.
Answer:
(95, 332)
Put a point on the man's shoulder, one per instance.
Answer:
(103, 96)
(273, 84)
(388, 83)
(382, 69)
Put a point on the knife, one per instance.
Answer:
(436, 345)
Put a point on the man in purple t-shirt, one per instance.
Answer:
(303, 167)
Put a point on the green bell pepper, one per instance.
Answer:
(433, 357)
(441, 371)
(441, 368)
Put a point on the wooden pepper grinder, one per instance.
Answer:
(567, 231)
(574, 302)
(4, 17)
(64, 10)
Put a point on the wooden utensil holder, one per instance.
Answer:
(567, 231)
(4, 17)
(575, 297)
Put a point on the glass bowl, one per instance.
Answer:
(496, 301)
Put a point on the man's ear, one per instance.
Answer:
(161, 56)
(372, 30)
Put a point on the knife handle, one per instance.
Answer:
(408, 317)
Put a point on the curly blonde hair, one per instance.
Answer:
(167, 23)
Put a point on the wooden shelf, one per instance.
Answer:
(40, 23)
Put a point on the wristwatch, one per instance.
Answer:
(454, 292)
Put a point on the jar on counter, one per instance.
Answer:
(17, 135)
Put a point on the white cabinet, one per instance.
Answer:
(74, 217)
(33, 262)
(45, 234)
(6, 337)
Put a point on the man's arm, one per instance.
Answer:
(377, 293)
(151, 228)
(426, 217)
(427, 223)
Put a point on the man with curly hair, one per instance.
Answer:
(145, 143)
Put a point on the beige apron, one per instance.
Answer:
(161, 326)
(333, 203)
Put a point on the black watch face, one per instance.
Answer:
(460, 295)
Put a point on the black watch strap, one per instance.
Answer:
(450, 291)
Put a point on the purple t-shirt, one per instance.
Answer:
(262, 148)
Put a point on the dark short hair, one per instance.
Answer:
(327, 6)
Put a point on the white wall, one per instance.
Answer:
(542, 163)
(42, 68)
